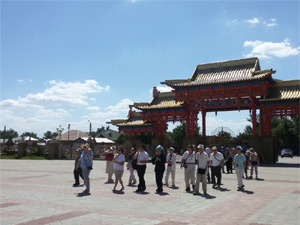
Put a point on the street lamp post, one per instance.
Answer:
(90, 127)
(69, 125)
(59, 130)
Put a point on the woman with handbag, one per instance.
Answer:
(86, 163)
(171, 166)
(202, 160)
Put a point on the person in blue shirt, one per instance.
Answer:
(240, 163)
(86, 163)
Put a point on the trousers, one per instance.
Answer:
(216, 172)
(239, 175)
(141, 169)
(86, 177)
(189, 174)
(131, 177)
(201, 178)
(77, 173)
(159, 177)
(172, 172)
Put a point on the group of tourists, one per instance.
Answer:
(200, 164)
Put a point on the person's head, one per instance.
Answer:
(207, 150)
(141, 147)
(159, 149)
(120, 150)
(251, 150)
(200, 148)
(78, 151)
(171, 150)
(86, 147)
(132, 150)
(239, 149)
(214, 149)
(190, 148)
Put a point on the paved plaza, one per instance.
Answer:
(41, 192)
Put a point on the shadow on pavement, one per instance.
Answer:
(118, 192)
(142, 193)
(207, 196)
(162, 193)
(248, 192)
(83, 194)
(174, 187)
(221, 189)
(291, 165)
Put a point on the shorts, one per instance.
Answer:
(119, 173)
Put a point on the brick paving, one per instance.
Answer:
(41, 192)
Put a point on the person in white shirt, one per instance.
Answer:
(216, 159)
(188, 162)
(118, 161)
(202, 160)
(171, 166)
(142, 159)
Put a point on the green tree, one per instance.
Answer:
(49, 135)
(8, 134)
(30, 134)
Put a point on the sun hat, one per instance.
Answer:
(159, 147)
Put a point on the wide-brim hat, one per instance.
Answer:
(159, 147)
(86, 145)
(171, 149)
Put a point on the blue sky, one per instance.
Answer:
(74, 61)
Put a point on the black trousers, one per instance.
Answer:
(141, 169)
(78, 173)
(159, 177)
(216, 172)
(229, 165)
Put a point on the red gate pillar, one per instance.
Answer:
(268, 125)
(262, 124)
(254, 125)
(188, 124)
(203, 123)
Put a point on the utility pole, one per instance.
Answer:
(69, 139)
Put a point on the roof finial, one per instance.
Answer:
(155, 92)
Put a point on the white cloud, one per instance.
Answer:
(20, 81)
(122, 106)
(272, 23)
(162, 89)
(60, 93)
(265, 50)
(252, 21)
(93, 108)
(49, 108)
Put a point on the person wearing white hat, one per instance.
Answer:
(86, 163)
(171, 166)
(159, 161)
(188, 162)
(202, 160)
(240, 163)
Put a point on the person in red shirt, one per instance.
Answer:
(109, 156)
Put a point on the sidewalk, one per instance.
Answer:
(41, 192)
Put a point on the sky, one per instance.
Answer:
(71, 62)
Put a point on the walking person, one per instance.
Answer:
(240, 163)
(142, 158)
(188, 162)
(159, 161)
(77, 168)
(86, 163)
(171, 167)
(223, 163)
(118, 161)
(130, 158)
(254, 163)
(229, 160)
(109, 156)
(202, 160)
(208, 152)
(247, 155)
(216, 159)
